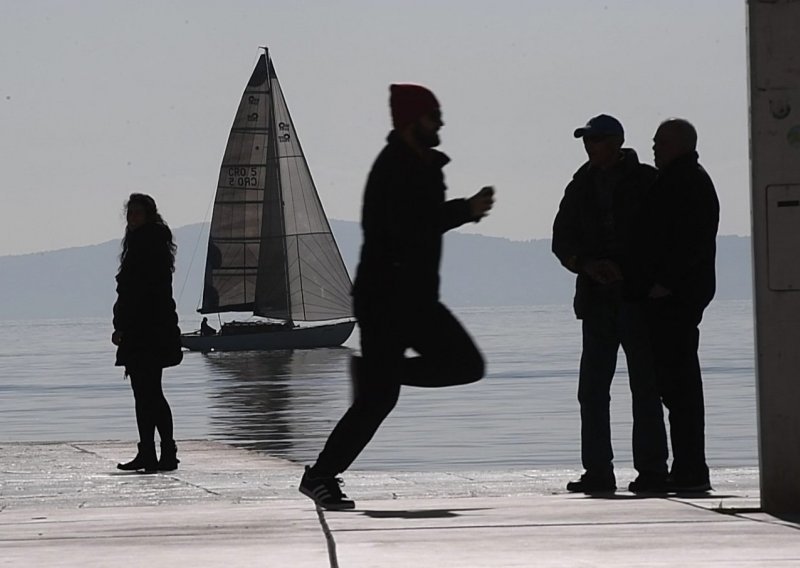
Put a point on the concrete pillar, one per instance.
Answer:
(774, 45)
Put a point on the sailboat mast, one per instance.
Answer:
(276, 163)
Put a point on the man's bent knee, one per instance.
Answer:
(474, 369)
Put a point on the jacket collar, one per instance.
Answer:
(435, 157)
(685, 161)
(628, 159)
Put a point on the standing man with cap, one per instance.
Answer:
(396, 290)
(678, 240)
(592, 237)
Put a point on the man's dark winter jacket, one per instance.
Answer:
(403, 218)
(580, 234)
(144, 311)
(678, 237)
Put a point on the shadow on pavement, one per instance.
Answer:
(635, 496)
(423, 514)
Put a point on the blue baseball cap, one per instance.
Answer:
(600, 125)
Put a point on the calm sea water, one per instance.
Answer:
(59, 383)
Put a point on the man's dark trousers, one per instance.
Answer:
(675, 337)
(607, 324)
(447, 357)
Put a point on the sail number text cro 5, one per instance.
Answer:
(242, 177)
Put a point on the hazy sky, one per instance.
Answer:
(102, 98)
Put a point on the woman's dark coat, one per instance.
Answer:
(144, 312)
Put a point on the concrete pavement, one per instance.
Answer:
(65, 504)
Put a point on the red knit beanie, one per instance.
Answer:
(410, 102)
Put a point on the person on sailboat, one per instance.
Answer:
(396, 290)
(206, 329)
(146, 330)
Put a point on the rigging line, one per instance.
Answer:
(194, 253)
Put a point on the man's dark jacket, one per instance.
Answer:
(403, 218)
(579, 236)
(678, 236)
(144, 311)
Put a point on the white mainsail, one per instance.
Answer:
(271, 250)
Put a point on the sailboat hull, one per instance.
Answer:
(296, 338)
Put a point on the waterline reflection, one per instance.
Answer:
(279, 402)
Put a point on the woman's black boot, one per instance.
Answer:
(169, 456)
(145, 460)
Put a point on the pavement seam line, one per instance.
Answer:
(84, 450)
(742, 514)
(190, 484)
(329, 540)
(173, 477)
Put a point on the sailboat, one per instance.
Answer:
(271, 252)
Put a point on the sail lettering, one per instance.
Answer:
(252, 100)
(283, 126)
(284, 138)
(252, 117)
(242, 177)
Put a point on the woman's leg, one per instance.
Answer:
(142, 393)
(152, 409)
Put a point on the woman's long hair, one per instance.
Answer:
(151, 216)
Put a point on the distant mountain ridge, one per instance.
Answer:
(476, 271)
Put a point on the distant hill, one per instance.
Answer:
(477, 271)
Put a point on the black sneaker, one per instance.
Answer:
(649, 483)
(325, 492)
(590, 483)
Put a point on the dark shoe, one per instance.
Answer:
(590, 483)
(688, 484)
(325, 491)
(145, 460)
(169, 459)
(649, 483)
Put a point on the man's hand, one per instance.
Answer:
(658, 291)
(603, 271)
(481, 203)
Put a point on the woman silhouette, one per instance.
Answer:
(146, 329)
